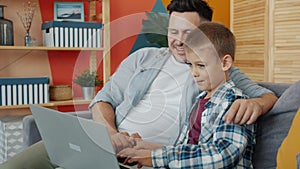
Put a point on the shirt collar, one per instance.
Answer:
(219, 93)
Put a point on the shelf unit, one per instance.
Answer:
(21, 110)
(44, 48)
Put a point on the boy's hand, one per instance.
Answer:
(243, 111)
(142, 156)
(146, 145)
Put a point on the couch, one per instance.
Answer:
(272, 128)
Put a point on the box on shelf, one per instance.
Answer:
(18, 91)
(11, 137)
(72, 34)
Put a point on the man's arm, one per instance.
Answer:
(111, 96)
(104, 113)
(247, 111)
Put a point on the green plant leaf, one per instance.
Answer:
(88, 79)
(155, 28)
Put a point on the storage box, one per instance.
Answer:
(11, 137)
(18, 91)
(72, 34)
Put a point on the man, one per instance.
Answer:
(138, 97)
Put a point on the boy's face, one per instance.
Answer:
(180, 25)
(206, 68)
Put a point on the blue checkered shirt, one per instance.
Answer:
(219, 145)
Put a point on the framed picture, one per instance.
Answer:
(68, 11)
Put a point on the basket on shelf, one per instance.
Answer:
(60, 92)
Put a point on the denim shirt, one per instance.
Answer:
(128, 85)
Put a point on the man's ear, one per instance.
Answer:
(227, 62)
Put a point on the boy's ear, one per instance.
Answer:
(226, 62)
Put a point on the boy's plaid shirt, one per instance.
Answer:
(219, 146)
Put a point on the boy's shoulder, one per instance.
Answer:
(227, 93)
(233, 91)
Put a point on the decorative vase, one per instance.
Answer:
(27, 39)
(88, 93)
(6, 29)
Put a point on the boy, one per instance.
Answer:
(206, 141)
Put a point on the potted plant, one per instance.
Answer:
(88, 80)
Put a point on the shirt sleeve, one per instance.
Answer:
(248, 87)
(113, 91)
(229, 142)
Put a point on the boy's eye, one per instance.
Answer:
(201, 65)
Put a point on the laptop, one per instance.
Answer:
(73, 142)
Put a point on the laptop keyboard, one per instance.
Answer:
(123, 167)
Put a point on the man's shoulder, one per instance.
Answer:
(150, 56)
(153, 50)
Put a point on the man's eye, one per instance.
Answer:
(188, 63)
(173, 32)
(188, 32)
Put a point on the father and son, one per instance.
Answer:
(160, 115)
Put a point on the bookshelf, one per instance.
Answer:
(21, 110)
(44, 48)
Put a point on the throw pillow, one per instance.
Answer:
(273, 127)
(290, 147)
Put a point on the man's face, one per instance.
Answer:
(180, 25)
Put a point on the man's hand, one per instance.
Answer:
(132, 155)
(246, 111)
(121, 141)
(243, 111)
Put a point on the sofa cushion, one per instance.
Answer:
(31, 133)
(298, 161)
(290, 147)
(273, 127)
(277, 88)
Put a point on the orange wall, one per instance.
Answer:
(221, 10)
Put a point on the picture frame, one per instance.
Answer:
(69, 11)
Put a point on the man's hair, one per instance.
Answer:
(213, 33)
(199, 6)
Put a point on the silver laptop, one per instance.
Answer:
(73, 142)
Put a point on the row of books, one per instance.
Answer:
(72, 34)
(19, 91)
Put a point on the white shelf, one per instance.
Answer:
(47, 48)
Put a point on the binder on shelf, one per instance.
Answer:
(72, 34)
(19, 91)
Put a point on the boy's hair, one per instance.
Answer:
(214, 33)
(199, 6)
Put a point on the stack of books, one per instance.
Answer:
(19, 91)
(72, 34)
